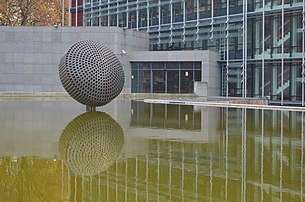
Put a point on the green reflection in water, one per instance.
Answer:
(165, 116)
(257, 155)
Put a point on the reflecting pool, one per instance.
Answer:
(52, 150)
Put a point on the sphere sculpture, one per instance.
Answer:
(91, 143)
(91, 73)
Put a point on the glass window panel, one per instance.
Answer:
(132, 17)
(158, 65)
(165, 14)
(197, 75)
(178, 12)
(275, 81)
(296, 34)
(287, 34)
(122, 20)
(286, 82)
(144, 65)
(205, 9)
(235, 6)
(276, 34)
(295, 82)
(113, 20)
(173, 81)
(268, 35)
(258, 4)
(197, 65)
(257, 81)
(172, 65)
(158, 81)
(144, 81)
(258, 37)
(296, 79)
(142, 18)
(104, 21)
(191, 10)
(122, 2)
(154, 16)
(186, 81)
(135, 81)
(186, 65)
(153, 1)
(220, 7)
(267, 80)
(95, 21)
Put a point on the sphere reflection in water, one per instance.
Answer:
(90, 143)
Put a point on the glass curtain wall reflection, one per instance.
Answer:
(165, 77)
(165, 116)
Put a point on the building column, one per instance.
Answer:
(147, 7)
(212, 20)
(274, 81)
(294, 34)
(293, 82)
(76, 13)
(137, 16)
(238, 82)
(303, 54)
(228, 44)
(263, 50)
(171, 27)
(127, 18)
(258, 40)
(117, 15)
(282, 58)
(108, 14)
(275, 27)
(256, 81)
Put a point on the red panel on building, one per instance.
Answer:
(79, 13)
(79, 3)
(73, 19)
(79, 18)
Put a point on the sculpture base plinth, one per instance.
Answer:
(90, 109)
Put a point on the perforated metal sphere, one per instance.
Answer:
(91, 73)
(91, 143)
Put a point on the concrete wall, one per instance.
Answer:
(29, 56)
(210, 75)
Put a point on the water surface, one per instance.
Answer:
(132, 151)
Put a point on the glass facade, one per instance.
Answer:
(164, 77)
(260, 42)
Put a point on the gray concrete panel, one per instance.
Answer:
(10, 36)
(29, 56)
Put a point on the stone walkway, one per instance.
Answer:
(243, 103)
